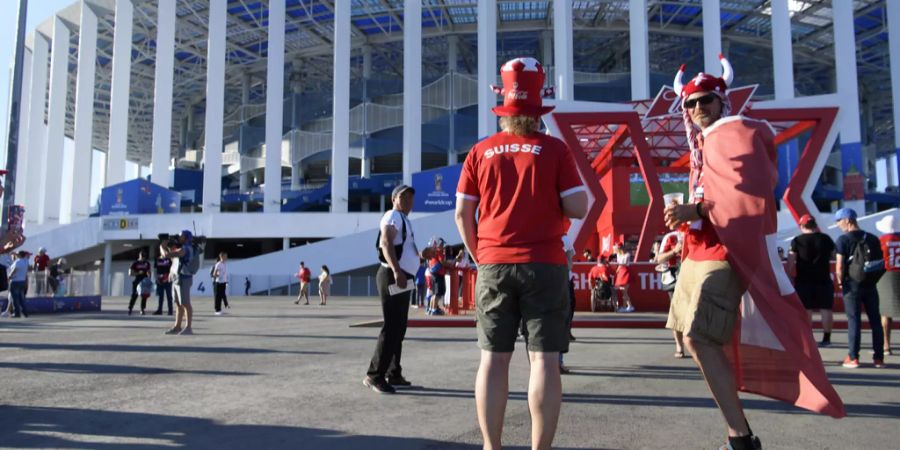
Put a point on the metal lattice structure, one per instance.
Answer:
(601, 46)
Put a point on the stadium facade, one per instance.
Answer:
(287, 122)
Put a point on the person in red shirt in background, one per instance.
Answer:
(523, 184)
(41, 262)
(623, 278)
(435, 272)
(670, 255)
(304, 275)
(889, 284)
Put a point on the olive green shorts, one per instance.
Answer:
(508, 294)
(706, 301)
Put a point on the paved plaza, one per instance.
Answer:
(273, 375)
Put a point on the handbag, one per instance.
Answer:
(668, 277)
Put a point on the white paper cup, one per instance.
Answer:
(677, 197)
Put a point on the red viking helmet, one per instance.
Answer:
(704, 81)
(523, 88)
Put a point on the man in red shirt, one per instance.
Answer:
(708, 291)
(304, 274)
(523, 184)
(41, 262)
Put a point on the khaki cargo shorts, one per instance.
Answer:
(508, 294)
(706, 301)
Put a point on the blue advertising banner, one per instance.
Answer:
(138, 196)
(436, 189)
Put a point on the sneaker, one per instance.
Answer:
(129, 312)
(825, 344)
(398, 381)
(143, 313)
(173, 330)
(4, 314)
(438, 312)
(750, 442)
(157, 313)
(186, 332)
(879, 363)
(563, 370)
(629, 309)
(379, 385)
(219, 313)
(571, 337)
(850, 363)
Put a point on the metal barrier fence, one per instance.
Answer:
(73, 283)
(341, 285)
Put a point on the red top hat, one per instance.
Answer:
(705, 82)
(523, 88)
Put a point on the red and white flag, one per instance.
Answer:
(773, 350)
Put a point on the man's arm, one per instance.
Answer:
(574, 205)
(839, 269)
(465, 223)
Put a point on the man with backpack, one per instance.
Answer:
(184, 266)
(860, 263)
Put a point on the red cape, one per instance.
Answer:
(773, 350)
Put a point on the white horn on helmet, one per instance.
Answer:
(678, 83)
(727, 71)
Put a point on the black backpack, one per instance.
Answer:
(398, 249)
(866, 263)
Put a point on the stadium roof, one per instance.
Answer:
(601, 46)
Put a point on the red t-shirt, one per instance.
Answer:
(599, 272)
(41, 262)
(890, 246)
(667, 246)
(518, 182)
(304, 274)
(702, 244)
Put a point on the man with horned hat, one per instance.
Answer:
(742, 321)
(524, 185)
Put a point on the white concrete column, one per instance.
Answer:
(847, 90)
(162, 97)
(639, 39)
(782, 50)
(24, 112)
(712, 37)
(84, 114)
(107, 268)
(563, 63)
(119, 93)
(452, 59)
(37, 130)
(893, 18)
(487, 67)
(215, 107)
(56, 123)
(547, 49)
(365, 162)
(340, 136)
(274, 107)
(412, 89)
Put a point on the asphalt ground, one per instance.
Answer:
(271, 375)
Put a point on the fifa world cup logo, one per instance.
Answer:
(438, 179)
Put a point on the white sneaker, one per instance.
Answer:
(629, 309)
(219, 313)
(4, 314)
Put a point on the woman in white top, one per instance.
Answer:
(324, 284)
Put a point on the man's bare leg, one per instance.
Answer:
(679, 341)
(719, 377)
(189, 315)
(491, 393)
(544, 398)
(179, 314)
(887, 323)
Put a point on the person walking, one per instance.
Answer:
(858, 293)
(41, 263)
(523, 184)
(304, 275)
(182, 279)
(18, 281)
(139, 269)
(623, 278)
(889, 285)
(220, 283)
(324, 285)
(163, 266)
(399, 258)
(809, 261)
(246, 286)
(670, 256)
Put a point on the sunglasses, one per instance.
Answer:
(705, 100)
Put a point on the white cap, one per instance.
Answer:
(886, 224)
